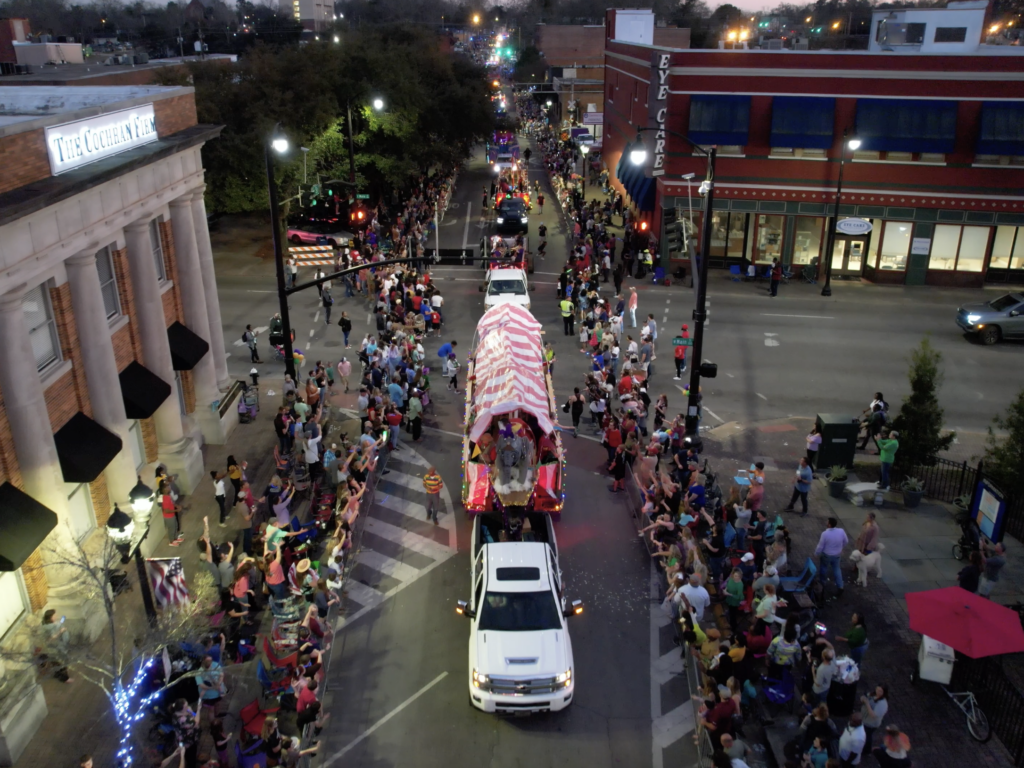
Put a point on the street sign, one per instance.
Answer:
(679, 341)
(363, 196)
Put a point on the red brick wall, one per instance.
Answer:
(149, 438)
(564, 44)
(176, 114)
(127, 346)
(189, 391)
(9, 469)
(35, 581)
(672, 37)
(100, 499)
(172, 298)
(24, 160)
(68, 395)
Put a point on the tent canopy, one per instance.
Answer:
(509, 369)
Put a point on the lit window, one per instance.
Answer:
(1008, 248)
(932, 157)
(42, 330)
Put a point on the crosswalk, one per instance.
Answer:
(398, 545)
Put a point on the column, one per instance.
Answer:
(101, 368)
(181, 455)
(217, 349)
(193, 298)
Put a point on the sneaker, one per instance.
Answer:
(223, 525)
(435, 521)
(677, 378)
(176, 543)
(788, 509)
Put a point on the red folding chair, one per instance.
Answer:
(275, 658)
(253, 717)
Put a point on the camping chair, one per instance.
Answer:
(737, 273)
(253, 716)
(252, 756)
(276, 659)
(778, 693)
(307, 531)
(797, 588)
(271, 687)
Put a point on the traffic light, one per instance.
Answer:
(643, 226)
(674, 237)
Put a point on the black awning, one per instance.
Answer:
(85, 448)
(24, 524)
(187, 349)
(142, 390)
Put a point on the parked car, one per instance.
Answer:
(992, 321)
(307, 231)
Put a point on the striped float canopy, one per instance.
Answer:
(509, 369)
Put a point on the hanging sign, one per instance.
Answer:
(853, 226)
(657, 112)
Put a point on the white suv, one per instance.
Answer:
(520, 656)
(506, 286)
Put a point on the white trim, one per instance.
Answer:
(630, 74)
(52, 374)
(895, 162)
(851, 74)
(118, 323)
(165, 286)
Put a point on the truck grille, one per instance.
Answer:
(535, 687)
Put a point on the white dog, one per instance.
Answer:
(866, 562)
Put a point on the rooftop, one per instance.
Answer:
(55, 74)
(27, 107)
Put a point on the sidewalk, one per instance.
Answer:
(918, 557)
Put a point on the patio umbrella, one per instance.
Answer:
(966, 622)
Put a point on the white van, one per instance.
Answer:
(520, 656)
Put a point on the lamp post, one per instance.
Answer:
(853, 144)
(279, 144)
(378, 104)
(638, 156)
(121, 529)
(583, 151)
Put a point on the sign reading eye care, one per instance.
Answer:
(73, 145)
(853, 226)
(657, 113)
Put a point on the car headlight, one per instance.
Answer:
(565, 678)
(524, 219)
(500, 220)
(479, 679)
(972, 319)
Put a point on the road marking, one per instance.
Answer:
(261, 291)
(712, 413)
(761, 396)
(445, 432)
(396, 569)
(406, 539)
(465, 231)
(369, 731)
(311, 333)
(361, 593)
(316, 317)
(369, 318)
(806, 317)
(730, 376)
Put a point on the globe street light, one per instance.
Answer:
(121, 529)
(279, 143)
(378, 104)
(584, 148)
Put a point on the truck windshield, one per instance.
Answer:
(506, 286)
(519, 612)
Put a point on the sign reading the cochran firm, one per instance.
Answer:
(73, 145)
(853, 226)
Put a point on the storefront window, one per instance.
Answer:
(737, 233)
(719, 233)
(1008, 248)
(958, 248)
(876, 238)
(973, 244)
(769, 238)
(808, 239)
(895, 245)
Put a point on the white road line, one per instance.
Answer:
(411, 457)
(712, 413)
(387, 565)
(261, 291)
(369, 318)
(761, 396)
(361, 593)
(445, 432)
(400, 505)
(672, 726)
(316, 317)
(465, 231)
(658, 619)
(730, 376)
(369, 731)
(311, 333)
(408, 539)
(806, 317)
(406, 480)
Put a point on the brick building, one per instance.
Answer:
(112, 357)
(939, 173)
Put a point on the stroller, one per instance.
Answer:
(248, 404)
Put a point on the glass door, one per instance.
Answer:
(848, 256)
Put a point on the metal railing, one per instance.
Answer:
(693, 680)
(1000, 700)
(944, 480)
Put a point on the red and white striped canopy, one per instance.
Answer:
(509, 368)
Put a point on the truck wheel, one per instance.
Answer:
(989, 336)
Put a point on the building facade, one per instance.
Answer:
(314, 15)
(939, 172)
(112, 358)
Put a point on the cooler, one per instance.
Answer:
(842, 699)
(935, 661)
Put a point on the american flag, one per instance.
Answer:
(167, 578)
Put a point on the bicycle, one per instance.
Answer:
(977, 721)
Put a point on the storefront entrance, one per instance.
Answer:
(848, 256)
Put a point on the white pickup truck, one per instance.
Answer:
(520, 656)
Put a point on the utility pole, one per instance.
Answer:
(181, 44)
(282, 295)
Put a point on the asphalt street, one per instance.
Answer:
(398, 683)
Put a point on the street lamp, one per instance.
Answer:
(476, 18)
(583, 151)
(121, 529)
(278, 144)
(638, 156)
(854, 145)
(378, 104)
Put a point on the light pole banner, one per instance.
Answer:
(657, 111)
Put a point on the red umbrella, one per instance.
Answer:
(966, 622)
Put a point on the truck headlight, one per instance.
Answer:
(500, 220)
(524, 219)
(480, 680)
(972, 319)
(565, 678)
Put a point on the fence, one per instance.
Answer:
(998, 697)
(693, 680)
(944, 480)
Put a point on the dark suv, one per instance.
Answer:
(511, 217)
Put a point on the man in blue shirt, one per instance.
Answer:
(696, 498)
(397, 395)
(802, 484)
(447, 349)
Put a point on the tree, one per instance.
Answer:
(530, 66)
(919, 421)
(1004, 456)
(120, 663)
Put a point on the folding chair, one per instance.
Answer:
(271, 687)
(253, 716)
(252, 756)
(276, 659)
(737, 273)
(797, 583)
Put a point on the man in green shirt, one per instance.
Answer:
(415, 415)
(887, 446)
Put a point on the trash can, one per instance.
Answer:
(838, 440)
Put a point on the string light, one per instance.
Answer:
(128, 712)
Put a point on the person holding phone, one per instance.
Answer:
(57, 640)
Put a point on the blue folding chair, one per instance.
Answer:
(737, 273)
(801, 582)
(306, 532)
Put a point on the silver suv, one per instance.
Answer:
(1001, 318)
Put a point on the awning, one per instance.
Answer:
(187, 348)
(916, 125)
(509, 369)
(24, 524)
(719, 119)
(805, 122)
(142, 391)
(85, 448)
(1002, 128)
